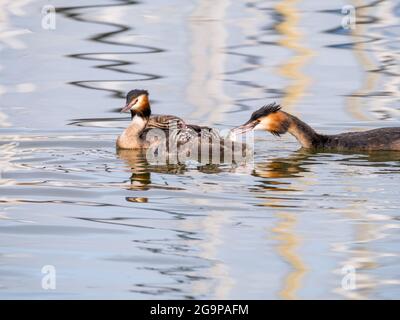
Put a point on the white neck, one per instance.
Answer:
(130, 137)
(138, 122)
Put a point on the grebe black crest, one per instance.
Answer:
(134, 94)
(265, 111)
(272, 119)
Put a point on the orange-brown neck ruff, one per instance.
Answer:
(278, 123)
(143, 109)
(272, 119)
(131, 136)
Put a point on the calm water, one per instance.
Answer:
(115, 226)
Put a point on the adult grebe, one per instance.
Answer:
(271, 118)
(134, 136)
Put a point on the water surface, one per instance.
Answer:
(115, 226)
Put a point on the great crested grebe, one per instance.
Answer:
(271, 118)
(134, 136)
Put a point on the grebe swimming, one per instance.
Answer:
(142, 121)
(271, 118)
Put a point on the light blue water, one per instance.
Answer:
(115, 226)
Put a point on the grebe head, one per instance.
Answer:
(268, 118)
(137, 102)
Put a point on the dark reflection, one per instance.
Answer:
(140, 177)
(141, 169)
(301, 161)
(96, 122)
(386, 162)
(288, 167)
(383, 158)
(77, 13)
(280, 174)
(257, 37)
(273, 170)
(275, 173)
(374, 47)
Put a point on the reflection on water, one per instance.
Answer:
(292, 68)
(289, 243)
(109, 61)
(116, 225)
(208, 60)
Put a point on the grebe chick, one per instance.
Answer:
(142, 121)
(271, 118)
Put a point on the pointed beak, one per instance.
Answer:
(129, 106)
(248, 126)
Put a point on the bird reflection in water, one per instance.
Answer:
(141, 170)
(299, 165)
(283, 231)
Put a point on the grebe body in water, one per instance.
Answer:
(271, 118)
(142, 121)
